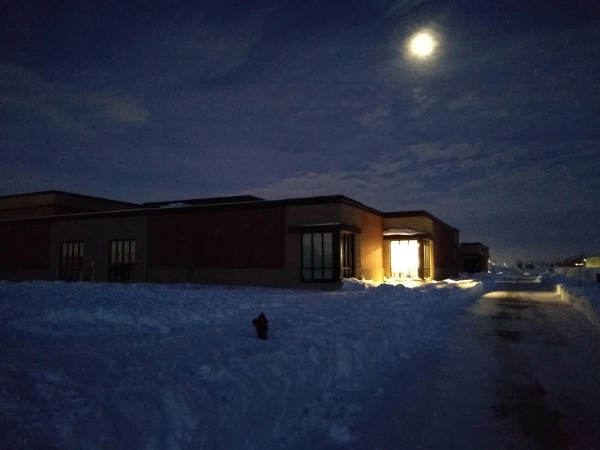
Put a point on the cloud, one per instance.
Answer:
(76, 111)
(515, 198)
(378, 180)
(402, 7)
(124, 111)
(423, 102)
(466, 100)
(373, 118)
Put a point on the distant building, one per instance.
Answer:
(573, 261)
(592, 261)
(473, 257)
(244, 240)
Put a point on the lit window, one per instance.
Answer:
(404, 257)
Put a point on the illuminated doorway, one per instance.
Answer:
(404, 259)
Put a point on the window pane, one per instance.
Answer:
(121, 265)
(350, 250)
(132, 249)
(119, 251)
(327, 250)
(306, 250)
(317, 250)
(71, 258)
(317, 256)
(126, 252)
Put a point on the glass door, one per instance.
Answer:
(404, 257)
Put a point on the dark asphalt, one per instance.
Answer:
(521, 370)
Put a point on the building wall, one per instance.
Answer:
(592, 261)
(445, 251)
(371, 257)
(96, 235)
(250, 245)
(298, 215)
(24, 250)
(417, 223)
(44, 204)
(243, 246)
(240, 277)
(473, 257)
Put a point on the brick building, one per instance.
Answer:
(473, 257)
(296, 243)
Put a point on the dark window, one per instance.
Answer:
(473, 263)
(347, 244)
(121, 265)
(317, 256)
(71, 261)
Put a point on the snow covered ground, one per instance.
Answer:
(583, 295)
(112, 366)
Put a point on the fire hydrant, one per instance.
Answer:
(262, 326)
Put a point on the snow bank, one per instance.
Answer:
(585, 298)
(579, 273)
(99, 366)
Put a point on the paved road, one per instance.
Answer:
(520, 371)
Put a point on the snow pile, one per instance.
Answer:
(584, 296)
(98, 366)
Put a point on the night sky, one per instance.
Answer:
(496, 133)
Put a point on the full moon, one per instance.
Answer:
(422, 44)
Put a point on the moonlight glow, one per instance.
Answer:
(422, 44)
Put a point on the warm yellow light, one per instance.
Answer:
(422, 44)
(404, 256)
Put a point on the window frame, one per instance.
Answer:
(324, 266)
(343, 251)
(70, 266)
(347, 254)
(122, 271)
(426, 261)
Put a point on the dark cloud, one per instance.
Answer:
(497, 134)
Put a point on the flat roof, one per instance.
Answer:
(70, 194)
(220, 204)
(206, 201)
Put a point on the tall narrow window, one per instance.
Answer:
(426, 259)
(317, 256)
(347, 259)
(121, 266)
(71, 261)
